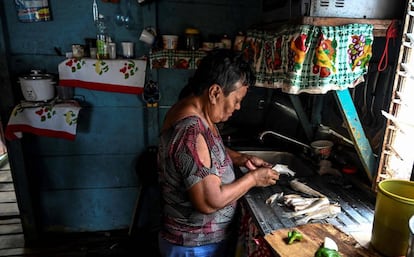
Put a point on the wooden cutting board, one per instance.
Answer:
(313, 237)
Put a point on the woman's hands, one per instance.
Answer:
(254, 162)
(261, 170)
(244, 160)
(265, 176)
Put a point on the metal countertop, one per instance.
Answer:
(357, 204)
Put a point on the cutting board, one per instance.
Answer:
(313, 237)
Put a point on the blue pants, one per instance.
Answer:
(168, 249)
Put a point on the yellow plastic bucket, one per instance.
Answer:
(393, 208)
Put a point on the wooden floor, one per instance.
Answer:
(111, 243)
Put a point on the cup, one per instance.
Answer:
(127, 49)
(170, 42)
(93, 51)
(112, 50)
(147, 36)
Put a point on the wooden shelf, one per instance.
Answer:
(380, 26)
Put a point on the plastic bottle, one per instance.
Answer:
(102, 39)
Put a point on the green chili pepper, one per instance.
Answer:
(294, 235)
(326, 252)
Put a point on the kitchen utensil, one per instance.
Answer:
(37, 86)
(148, 35)
(95, 11)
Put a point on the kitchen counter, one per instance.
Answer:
(357, 203)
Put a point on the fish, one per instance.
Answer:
(301, 187)
(314, 206)
(329, 211)
(298, 202)
(274, 197)
(283, 169)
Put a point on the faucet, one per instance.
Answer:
(261, 135)
(326, 129)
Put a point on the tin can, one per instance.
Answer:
(77, 51)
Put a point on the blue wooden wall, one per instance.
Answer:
(90, 184)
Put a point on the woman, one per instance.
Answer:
(198, 185)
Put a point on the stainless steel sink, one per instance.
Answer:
(300, 166)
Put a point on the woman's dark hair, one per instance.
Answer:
(223, 67)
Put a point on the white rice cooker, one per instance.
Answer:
(37, 86)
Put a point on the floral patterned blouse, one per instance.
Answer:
(179, 169)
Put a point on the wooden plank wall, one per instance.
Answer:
(11, 232)
(90, 184)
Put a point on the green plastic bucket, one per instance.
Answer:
(393, 208)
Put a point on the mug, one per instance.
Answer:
(147, 36)
(127, 49)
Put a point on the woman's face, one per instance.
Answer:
(226, 105)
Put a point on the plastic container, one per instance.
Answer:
(393, 209)
(170, 42)
(322, 148)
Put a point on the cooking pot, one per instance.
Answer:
(37, 86)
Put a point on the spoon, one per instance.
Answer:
(119, 17)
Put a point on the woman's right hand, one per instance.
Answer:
(265, 176)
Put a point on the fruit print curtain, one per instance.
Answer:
(310, 59)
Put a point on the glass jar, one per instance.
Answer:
(192, 39)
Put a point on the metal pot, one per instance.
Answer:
(37, 86)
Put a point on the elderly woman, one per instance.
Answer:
(199, 188)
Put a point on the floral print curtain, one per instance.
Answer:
(311, 59)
